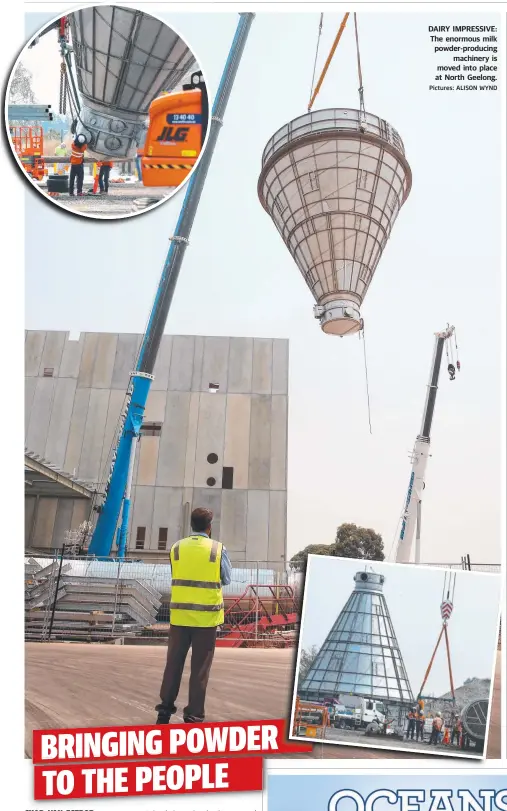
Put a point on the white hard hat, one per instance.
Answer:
(439, 714)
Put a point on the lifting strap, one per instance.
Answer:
(359, 72)
(316, 58)
(328, 60)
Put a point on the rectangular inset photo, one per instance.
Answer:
(396, 656)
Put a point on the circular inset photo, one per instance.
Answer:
(107, 111)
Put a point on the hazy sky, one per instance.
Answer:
(441, 265)
(413, 596)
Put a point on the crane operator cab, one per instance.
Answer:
(176, 134)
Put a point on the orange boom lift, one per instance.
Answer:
(28, 143)
(176, 134)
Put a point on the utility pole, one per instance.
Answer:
(117, 496)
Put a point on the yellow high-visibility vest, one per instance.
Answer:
(196, 589)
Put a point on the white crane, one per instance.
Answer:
(411, 518)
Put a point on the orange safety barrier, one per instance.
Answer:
(175, 135)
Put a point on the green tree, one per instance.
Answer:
(20, 91)
(357, 542)
(305, 661)
(351, 542)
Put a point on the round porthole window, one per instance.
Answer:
(211, 481)
(212, 458)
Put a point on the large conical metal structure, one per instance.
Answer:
(124, 59)
(360, 655)
(333, 182)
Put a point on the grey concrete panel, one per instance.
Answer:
(104, 361)
(260, 443)
(168, 512)
(85, 377)
(40, 415)
(30, 502)
(44, 524)
(114, 409)
(34, 347)
(30, 386)
(77, 429)
(173, 440)
(71, 358)
(193, 420)
(262, 366)
(198, 361)
(278, 463)
(182, 362)
(240, 365)
(210, 438)
(80, 512)
(280, 366)
(257, 526)
(211, 498)
(63, 521)
(141, 516)
(155, 406)
(233, 523)
(124, 361)
(163, 364)
(215, 363)
(237, 438)
(147, 450)
(59, 424)
(93, 439)
(277, 527)
(53, 351)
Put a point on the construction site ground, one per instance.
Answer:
(90, 685)
(122, 199)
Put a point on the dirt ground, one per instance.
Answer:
(122, 199)
(79, 685)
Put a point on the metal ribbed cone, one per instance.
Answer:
(124, 59)
(333, 182)
(360, 655)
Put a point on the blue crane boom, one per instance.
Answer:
(117, 496)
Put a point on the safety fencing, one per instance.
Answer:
(77, 598)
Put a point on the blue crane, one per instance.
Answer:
(118, 487)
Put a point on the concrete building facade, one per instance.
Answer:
(214, 434)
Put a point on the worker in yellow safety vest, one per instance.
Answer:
(200, 567)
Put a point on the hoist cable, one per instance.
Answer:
(359, 71)
(367, 383)
(316, 58)
(328, 60)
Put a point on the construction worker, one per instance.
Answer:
(200, 567)
(411, 723)
(104, 172)
(457, 729)
(77, 164)
(61, 151)
(419, 724)
(436, 728)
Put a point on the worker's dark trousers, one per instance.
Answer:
(104, 178)
(76, 175)
(411, 728)
(435, 736)
(202, 641)
(419, 730)
(454, 734)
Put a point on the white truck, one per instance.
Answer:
(354, 712)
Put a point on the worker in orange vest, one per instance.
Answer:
(104, 172)
(411, 716)
(438, 723)
(78, 149)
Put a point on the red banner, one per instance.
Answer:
(166, 741)
(147, 777)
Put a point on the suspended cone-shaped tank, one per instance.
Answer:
(333, 182)
(124, 59)
(360, 655)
